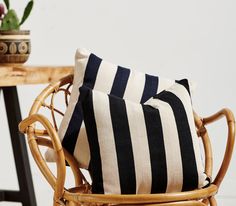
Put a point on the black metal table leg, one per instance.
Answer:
(2, 195)
(26, 193)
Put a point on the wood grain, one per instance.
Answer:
(12, 75)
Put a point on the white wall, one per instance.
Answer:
(172, 38)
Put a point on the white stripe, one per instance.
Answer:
(183, 95)
(140, 147)
(82, 150)
(105, 77)
(79, 71)
(111, 180)
(135, 86)
(80, 66)
(172, 147)
(164, 84)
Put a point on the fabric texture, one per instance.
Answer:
(142, 148)
(101, 75)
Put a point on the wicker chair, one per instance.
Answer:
(81, 193)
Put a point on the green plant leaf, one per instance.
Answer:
(7, 4)
(27, 11)
(10, 21)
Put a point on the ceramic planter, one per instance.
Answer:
(14, 46)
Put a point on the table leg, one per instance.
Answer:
(26, 194)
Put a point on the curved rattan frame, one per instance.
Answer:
(81, 193)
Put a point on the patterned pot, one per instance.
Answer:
(14, 46)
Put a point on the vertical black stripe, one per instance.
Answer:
(71, 135)
(190, 174)
(120, 81)
(72, 131)
(95, 165)
(92, 70)
(156, 148)
(123, 145)
(150, 87)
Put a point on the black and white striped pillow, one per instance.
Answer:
(142, 148)
(98, 74)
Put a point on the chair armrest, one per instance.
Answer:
(230, 140)
(27, 126)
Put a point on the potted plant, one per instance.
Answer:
(14, 43)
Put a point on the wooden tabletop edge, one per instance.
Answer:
(12, 75)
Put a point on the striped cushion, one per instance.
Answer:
(109, 78)
(142, 148)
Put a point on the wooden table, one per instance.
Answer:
(10, 77)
